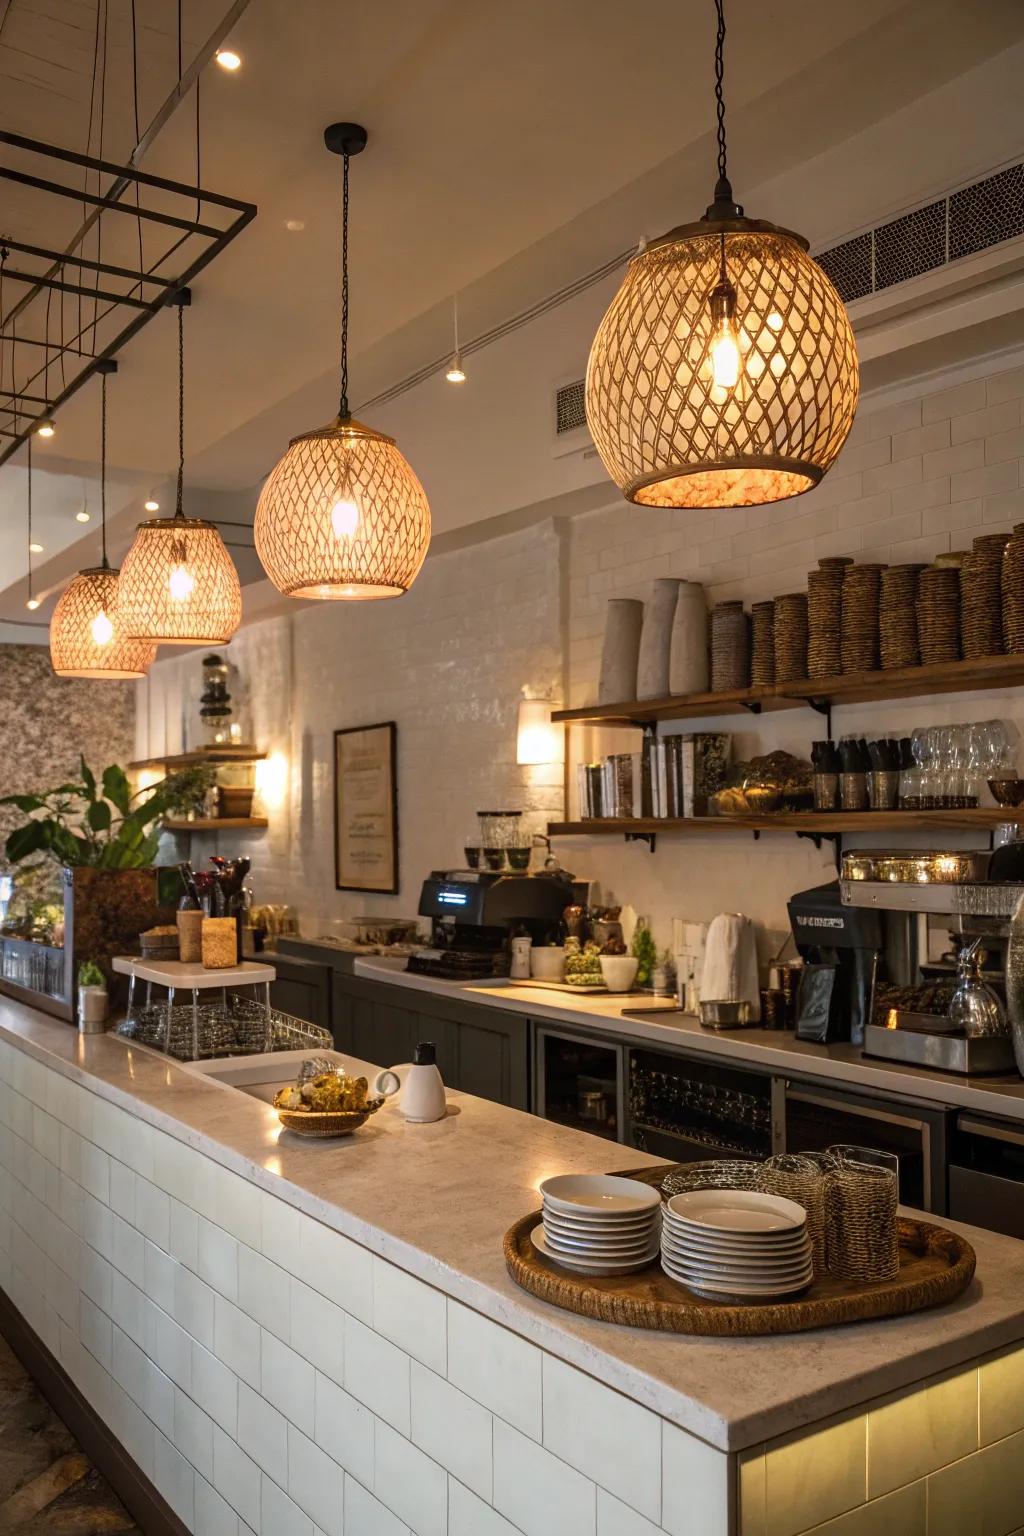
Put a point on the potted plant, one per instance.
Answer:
(646, 952)
(93, 998)
(101, 839)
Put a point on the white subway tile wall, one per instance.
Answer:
(261, 1406)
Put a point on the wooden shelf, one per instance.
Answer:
(212, 755)
(851, 688)
(215, 824)
(814, 823)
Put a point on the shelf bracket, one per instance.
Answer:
(835, 838)
(650, 838)
(823, 707)
(753, 706)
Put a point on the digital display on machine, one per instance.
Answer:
(452, 898)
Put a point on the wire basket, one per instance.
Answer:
(722, 1173)
(238, 1027)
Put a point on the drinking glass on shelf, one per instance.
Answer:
(862, 1238)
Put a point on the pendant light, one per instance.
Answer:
(455, 373)
(724, 373)
(32, 602)
(86, 634)
(343, 515)
(178, 585)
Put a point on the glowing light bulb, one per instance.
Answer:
(181, 584)
(456, 373)
(32, 603)
(344, 518)
(82, 517)
(725, 356)
(151, 505)
(102, 629)
(46, 428)
(228, 59)
(35, 549)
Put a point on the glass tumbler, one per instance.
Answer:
(860, 1214)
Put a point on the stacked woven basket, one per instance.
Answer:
(825, 616)
(897, 617)
(730, 648)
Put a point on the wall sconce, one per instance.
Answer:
(538, 738)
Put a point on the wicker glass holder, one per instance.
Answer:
(860, 1215)
(804, 1180)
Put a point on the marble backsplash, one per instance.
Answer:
(49, 721)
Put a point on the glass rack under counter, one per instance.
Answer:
(689, 1110)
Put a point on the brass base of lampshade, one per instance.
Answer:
(747, 483)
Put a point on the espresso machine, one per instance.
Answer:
(474, 913)
(844, 949)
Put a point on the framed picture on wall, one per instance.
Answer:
(366, 808)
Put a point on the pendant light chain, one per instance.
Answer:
(103, 471)
(179, 503)
(343, 409)
(30, 592)
(719, 91)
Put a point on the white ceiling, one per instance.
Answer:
(512, 148)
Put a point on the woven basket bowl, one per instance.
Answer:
(325, 1123)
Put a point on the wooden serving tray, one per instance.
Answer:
(936, 1266)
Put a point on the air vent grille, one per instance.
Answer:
(570, 409)
(966, 221)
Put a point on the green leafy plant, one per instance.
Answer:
(100, 822)
(646, 952)
(90, 975)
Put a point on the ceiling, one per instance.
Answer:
(512, 148)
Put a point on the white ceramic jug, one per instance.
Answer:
(422, 1087)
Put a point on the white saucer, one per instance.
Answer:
(609, 1247)
(605, 1195)
(591, 1266)
(715, 1280)
(645, 1223)
(753, 1272)
(731, 1211)
(739, 1294)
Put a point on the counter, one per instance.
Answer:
(282, 1332)
(639, 1018)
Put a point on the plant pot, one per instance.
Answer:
(93, 1009)
(620, 656)
(547, 962)
(689, 671)
(656, 640)
(105, 910)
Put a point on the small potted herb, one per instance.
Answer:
(93, 999)
(646, 952)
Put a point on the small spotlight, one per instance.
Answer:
(83, 516)
(455, 373)
(294, 225)
(151, 505)
(46, 428)
(228, 59)
(35, 549)
(32, 603)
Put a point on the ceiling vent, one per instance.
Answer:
(966, 221)
(570, 409)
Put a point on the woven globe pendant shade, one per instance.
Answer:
(86, 637)
(178, 584)
(342, 515)
(667, 433)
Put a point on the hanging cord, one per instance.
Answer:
(103, 471)
(455, 317)
(343, 409)
(719, 92)
(179, 505)
(30, 593)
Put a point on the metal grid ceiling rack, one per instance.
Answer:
(49, 346)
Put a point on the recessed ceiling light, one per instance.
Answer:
(83, 516)
(151, 505)
(46, 428)
(228, 59)
(35, 549)
(294, 225)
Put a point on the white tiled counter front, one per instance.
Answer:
(273, 1374)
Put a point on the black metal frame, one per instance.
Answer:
(140, 306)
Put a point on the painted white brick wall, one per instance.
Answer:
(291, 1411)
(922, 472)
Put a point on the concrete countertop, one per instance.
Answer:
(768, 1050)
(437, 1199)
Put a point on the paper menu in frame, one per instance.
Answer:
(366, 809)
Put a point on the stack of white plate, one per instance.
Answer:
(736, 1245)
(598, 1224)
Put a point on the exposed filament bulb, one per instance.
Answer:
(725, 347)
(345, 518)
(181, 583)
(102, 629)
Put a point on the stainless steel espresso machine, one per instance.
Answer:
(473, 914)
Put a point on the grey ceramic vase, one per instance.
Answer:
(1015, 984)
(689, 670)
(656, 640)
(620, 657)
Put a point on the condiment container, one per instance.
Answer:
(826, 791)
(220, 943)
(853, 791)
(883, 788)
(423, 1098)
(190, 935)
(519, 970)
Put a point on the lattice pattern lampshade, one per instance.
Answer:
(342, 515)
(86, 636)
(178, 584)
(668, 435)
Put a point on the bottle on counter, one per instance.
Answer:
(423, 1097)
(521, 944)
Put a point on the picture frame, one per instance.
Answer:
(366, 808)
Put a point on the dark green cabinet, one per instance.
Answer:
(480, 1049)
(302, 988)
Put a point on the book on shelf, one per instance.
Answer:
(672, 777)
